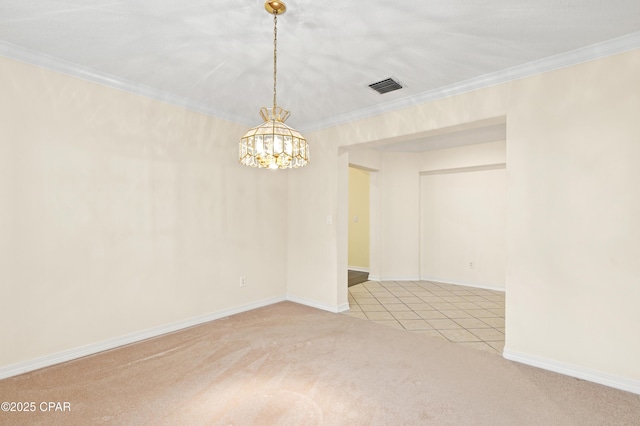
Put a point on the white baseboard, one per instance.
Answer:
(311, 303)
(358, 268)
(344, 307)
(494, 287)
(392, 278)
(595, 376)
(71, 354)
(75, 353)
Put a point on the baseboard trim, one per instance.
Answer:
(595, 376)
(464, 283)
(358, 268)
(344, 307)
(71, 354)
(392, 278)
(312, 304)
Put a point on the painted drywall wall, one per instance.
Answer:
(121, 214)
(465, 181)
(484, 154)
(573, 217)
(375, 227)
(366, 159)
(463, 226)
(316, 260)
(358, 219)
(395, 208)
(400, 216)
(313, 247)
(480, 107)
(572, 208)
(370, 160)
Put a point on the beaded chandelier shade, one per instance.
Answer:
(273, 144)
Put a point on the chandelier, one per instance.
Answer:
(273, 144)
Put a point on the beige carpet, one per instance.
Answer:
(288, 364)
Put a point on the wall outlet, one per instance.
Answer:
(471, 265)
(243, 281)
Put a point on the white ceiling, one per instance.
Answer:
(216, 56)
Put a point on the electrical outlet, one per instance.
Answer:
(471, 265)
(243, 281)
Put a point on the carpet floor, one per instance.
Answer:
(288, 364)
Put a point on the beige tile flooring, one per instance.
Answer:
(464, 315)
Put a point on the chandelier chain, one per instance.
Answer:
(275, 57)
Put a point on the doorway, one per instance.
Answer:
(359, 224)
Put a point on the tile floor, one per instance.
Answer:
(464, 315)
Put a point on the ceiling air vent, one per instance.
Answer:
(384, 86)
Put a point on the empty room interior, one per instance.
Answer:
(476, 164)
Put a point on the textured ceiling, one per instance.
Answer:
(218, 54)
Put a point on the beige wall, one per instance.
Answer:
(396, 212)
(462, 213)
(572, 206)
(370, 160)
(462, 227)
(573, 216)
(120, 214)
(366, 159)
(358, 219)
(400, 217)
(124, 214)
(464, 157)
(317, 259)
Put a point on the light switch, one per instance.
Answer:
(329, 219)
(355, 219)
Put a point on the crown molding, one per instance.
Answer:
(573, 57)
(562, 60)
(31, 57)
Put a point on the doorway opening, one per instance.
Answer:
(359, 223)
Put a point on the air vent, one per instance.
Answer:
(384, 86)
